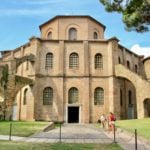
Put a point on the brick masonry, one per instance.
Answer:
(112, 78)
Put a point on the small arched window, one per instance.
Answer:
(73, 60)
(98, 61)
(49, 60)
(49, 35)
(95, 35)
(72, 34)
(136, 68)
(25, 97)
(48, 96)
(99, 96)
(73, 95)
(128, 64)
(129, 97)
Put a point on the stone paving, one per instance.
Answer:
(84, 133)
(127, 140)
(77, 133)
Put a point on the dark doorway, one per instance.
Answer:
(73, 114)
(147, 108)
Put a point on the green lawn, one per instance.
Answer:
(5, 145)
(21, 128)
(142, 126)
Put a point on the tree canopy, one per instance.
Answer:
(135, 13)
(4, 77)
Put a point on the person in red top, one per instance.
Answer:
(111, 119)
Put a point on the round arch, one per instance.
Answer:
(96, 34)
(75, 26)
(139, 84)
(49, 30)
(127, 98)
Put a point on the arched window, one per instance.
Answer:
(72, 34)
(98, 61)
(95, 35)
(121, 98)
(99, 96)
(128, 64)
(129, 97)
(48, 96)
(74, 60)
(49, 60)
(119, 60)
(136, 68)
(27, 65)
(73, 95)
(25, 96)
(49, 35)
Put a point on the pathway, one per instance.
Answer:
(83, 133)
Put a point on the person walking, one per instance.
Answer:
(111, 121)
(103, 120)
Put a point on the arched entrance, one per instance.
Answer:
(127, 107)
(143, 107)
(147, 107)
(14, 114)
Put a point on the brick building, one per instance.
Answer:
(74, 74)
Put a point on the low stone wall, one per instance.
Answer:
(50, 126)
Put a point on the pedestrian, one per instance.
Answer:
(111, 121)
(103, 120)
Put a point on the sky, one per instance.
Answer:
(20, 20)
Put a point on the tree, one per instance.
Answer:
(136, 13)
(3, 82)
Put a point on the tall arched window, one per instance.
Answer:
(98, 61)
(99, 96)
(49, 35)
(49, 60)
(72, 34)
(95, 35)
(48, 96)
(128, 64)
(121, 98)
(73, 95)
(73, 60)
(136, 68)
(119, 60)
(25, 97)
(27, 65)
(129, 97)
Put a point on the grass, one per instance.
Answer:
(5, 145)
(142, 126)
(21, 128)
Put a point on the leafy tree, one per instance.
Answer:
(4, 78)
(3, 82)
(136, 13)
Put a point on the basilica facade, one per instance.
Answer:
(74, 74)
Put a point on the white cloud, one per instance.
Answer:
(23, 12)
(41, 2)
(30, 8)
(141, 50)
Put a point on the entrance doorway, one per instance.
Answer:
(73, 114)
(130, 112)
(14, 115)
(147, 108)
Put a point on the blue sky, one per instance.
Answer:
(20, 19)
